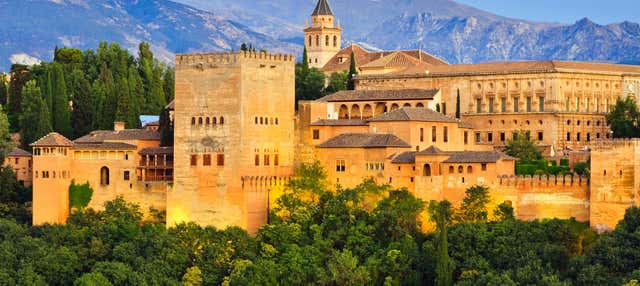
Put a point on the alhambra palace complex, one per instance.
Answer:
(238, 136)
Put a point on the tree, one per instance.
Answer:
(441, 213)
(522, 147)
(92, 279)
(19, 77)
(624, 118)
(61, 112)
(458, 105)
(79, 195)
(166, 128)
(305, 60)
(193, 277)
(34, 119)
(474, 204)
(309, 83)
(6, 144)
(243, 47)
(352, 71)
(337, 82)
(82, 114)
(169, 82)
(437, 107)
(4, 89)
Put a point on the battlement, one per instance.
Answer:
(264, 182)
(224, 58)
(543, 181)
(607, 144)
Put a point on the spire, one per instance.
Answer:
(322, 8)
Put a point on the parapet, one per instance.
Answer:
(224, 58)
(608, 144)
(544, 180)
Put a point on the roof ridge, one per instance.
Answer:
(322, 8)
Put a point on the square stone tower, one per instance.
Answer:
(323, 37)
(234, 137)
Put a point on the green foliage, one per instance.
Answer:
(441, 213)
(19, 77)
(82, 114)
(337, 82)
(79, 195)
(624, 118)
(437, 107)
(582, 168)
(4, 89)
(458, 105)
(35, 121)
(15, 200)
(193, 277)
(522, 147)
(92, 279)
(353, 71)
(6, 144)
(309, 83)
(474, 204)
(503, 211)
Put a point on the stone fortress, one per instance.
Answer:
(238, 136)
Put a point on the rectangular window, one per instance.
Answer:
(276, 160)
(445, 131)
(490, 137)
(466, 137)
(503, 104)
(578, 137)
(433, 134)
(17, 161)
(421, 134)
(502, 137)
(316, 134)
(220, 159)
(528, 104)
(256, 160)
(540, 136)
(206, 160)
(568, 136)
(515, 105)
(541, 104)
(477, 137)
(126, 175)
(491, 105)
(479, 105)
(341, 166)
(194, 160)
(266, 160)
(484, 166)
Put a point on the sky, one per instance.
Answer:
(562, 11)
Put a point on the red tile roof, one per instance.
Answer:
(376, 95)
(52, 139)
(364, 140)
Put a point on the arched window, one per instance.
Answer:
(199, 120)
(394, 106)
(367, 111)
(426, 170)
(326, 40)
(261, 121)
(104, 176)
(208, 121)
(193, 121)
(420, 105)
(256, 120)
(276, 120)
(335, 41)
(310, 41)
(317, 40)
(469, 169)
(215, 121)
(221, 120)
(450, 169)
(460, 169)
(344, 112)
(407, 105)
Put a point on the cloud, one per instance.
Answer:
(24, 59)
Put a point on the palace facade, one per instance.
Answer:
(238, 137)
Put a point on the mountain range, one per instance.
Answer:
(457, 33)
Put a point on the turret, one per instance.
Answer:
(323, 37)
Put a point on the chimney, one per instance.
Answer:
(118, 126)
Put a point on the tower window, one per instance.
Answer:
(206, 160)
(127, 175)
(317, 40)
(310, 41)
(256, 160)
(326, 40)
(335, 41)
(316, 134)
(220, 159)
(104, 176)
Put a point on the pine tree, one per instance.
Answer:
(82, 114)
(34, 119)
(458, 105)
(352, 71)
(61, 111)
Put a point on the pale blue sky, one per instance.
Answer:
(564, 11)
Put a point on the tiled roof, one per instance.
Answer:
(340, 122)
(364, 140)
(376, 95)
(476, 157)
(127, 134)
(105, 145)
(322, 8)
(514, 67)
(414, 114)
(432, 150)
(17, 152)
(156, 150)
(52, 139)
(363, 57)
(405, 158)
(396, 59)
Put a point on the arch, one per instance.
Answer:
(193, 121)
(355, 111)
(207, 121)
(426, 170)
(276, 120)
(310, 40)
(261, 120)
(317, 40)
(460, 169)
(326, 40)
(367, 111)
(380, 108)
(407, 104)
(469, 169)
(104, 176)
(420, 105)
(221, 120)
(335, 41)
(451, 170)
(215, 121)
(344, 112)
(394, 106)
(199, 120)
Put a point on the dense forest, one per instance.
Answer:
(368, 235)
(80, 91)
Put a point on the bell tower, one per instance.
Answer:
(323, 37)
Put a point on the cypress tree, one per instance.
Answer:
(166, 128)
(437, 107)
(123, 102)
(109, 105)
(305, 61)
(6, 144)
(4, 89)
(82, 115)
(352, 71)
(61, 110)
(99, 97)
(19, 76)
(458, 105)
(34, 119)
(136, 96)
(168, 84)
(243, 47)
(441, 212)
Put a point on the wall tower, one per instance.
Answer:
(323, 37)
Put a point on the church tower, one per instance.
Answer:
(323, 37)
